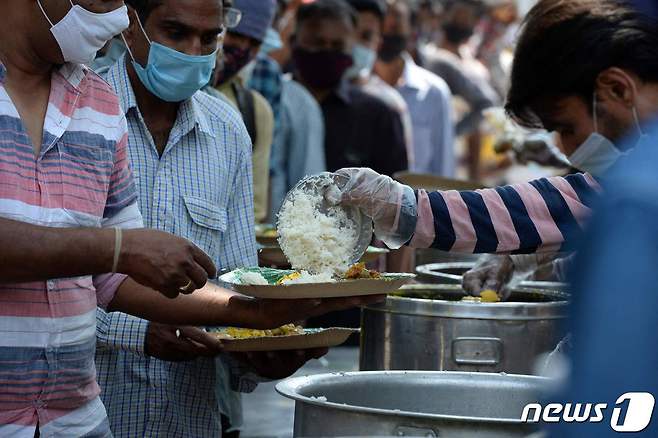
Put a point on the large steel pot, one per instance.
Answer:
(411, 332)
(420, 404)
(452, 272)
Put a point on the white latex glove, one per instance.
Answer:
(491, 272)
(541, 149)
(391, 205)
(499, 273)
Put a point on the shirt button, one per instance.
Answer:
(50, 284)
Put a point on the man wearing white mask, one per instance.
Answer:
(592, 105)
(66, 191)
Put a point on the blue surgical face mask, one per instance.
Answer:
(171, 75)
(364, 60)
(597, 154)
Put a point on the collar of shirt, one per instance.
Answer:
(410, 77)
(74, 75)
(190, 115)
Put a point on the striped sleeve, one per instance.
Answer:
(539, 216)
(121, 208)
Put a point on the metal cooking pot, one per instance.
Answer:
(451, 273)
(419, 404)
(411, 332)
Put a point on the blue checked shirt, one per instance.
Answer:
(200, 189)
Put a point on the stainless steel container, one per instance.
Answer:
(410, 332)
(419, 404)
(451, 273)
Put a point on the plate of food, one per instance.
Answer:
(270, 283)
(288, 337)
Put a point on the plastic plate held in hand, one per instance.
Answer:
(388, 283)
(311, 339)
(329, 185)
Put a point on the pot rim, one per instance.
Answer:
(289, 389)
(460, 309)
(431, 268)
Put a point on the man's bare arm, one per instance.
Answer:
(34, 253)
(213, 305)
(154, 258)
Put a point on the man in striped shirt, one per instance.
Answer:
(65, 184)
(590, 104)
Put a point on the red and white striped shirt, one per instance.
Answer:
(80, 179)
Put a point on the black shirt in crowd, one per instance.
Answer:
(362, 131)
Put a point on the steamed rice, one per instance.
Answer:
(253, 279)
(313, 241)
(306, 278)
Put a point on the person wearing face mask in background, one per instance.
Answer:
(591, 106)
(466, 77)
(361, 130)
(364, 54)
(264, 74)
(298, 148)
(241, 46)
(427, 96)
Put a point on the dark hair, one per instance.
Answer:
(376, 7)
(564, 46)
(144, 7)
(478, 5)
(327, 9)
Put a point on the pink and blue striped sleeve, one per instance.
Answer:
(538, 216)
(121, 210)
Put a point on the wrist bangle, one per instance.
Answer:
(118, 236)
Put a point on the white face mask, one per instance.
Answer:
(597, 154)
(82, 33)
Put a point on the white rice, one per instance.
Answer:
(320, 243)
(253, 279)
(307, 278)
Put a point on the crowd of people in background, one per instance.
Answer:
(397, 86)
(143, 141)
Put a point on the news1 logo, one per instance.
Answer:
(632, 412)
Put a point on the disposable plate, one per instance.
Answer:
(343, 288)
(313, 338)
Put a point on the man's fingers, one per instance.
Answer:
(170, 292)
(204, 261)
(198, 276)
(201, 337)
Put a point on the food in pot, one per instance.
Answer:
(489, 296)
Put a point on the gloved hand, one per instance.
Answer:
(541, 149)
(499, 273)
(491, 272)
(391, 205)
